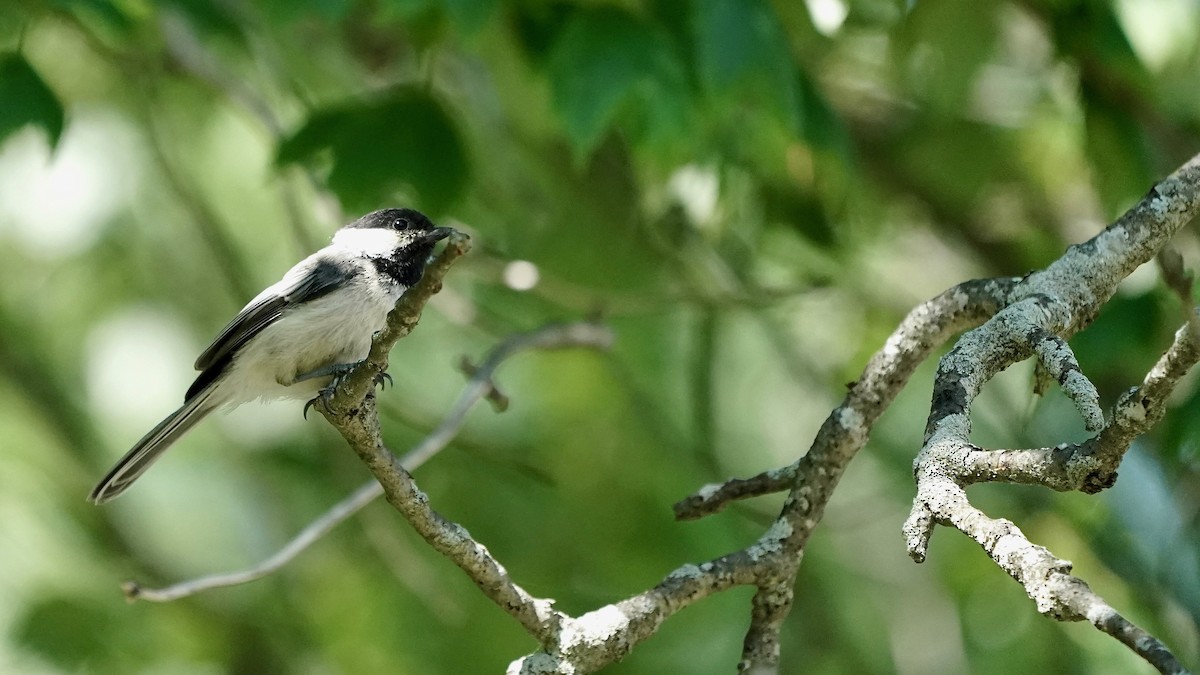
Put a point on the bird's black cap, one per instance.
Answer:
(394, 219)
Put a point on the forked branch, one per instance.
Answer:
(1046, 309)
(1007, 320)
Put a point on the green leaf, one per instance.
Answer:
(741, 54)
(27, 100)
(537, 25)
(1092, 32)
(823, 129)
(406, 140)
(67, 632)
(606, 61)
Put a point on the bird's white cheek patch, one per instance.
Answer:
(372, 242)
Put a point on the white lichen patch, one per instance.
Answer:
(544, 609)
(852, 421)
(954, 428)
(688, 571)
(595, 627)
(779, 531)
(891, 348)
(1135, 411)
(709, 491)
(772, 539)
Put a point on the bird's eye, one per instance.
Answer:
(400, 223)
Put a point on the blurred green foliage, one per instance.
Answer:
(36, 104)
(405, 139)
(753, 192)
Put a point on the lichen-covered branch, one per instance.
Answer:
(1007, 320)
(352, 411)
(769, 607)
(844, 432)
(1139, 409)
(1090, 466)
(603, 636)
(1045, 309)
(359, 425)
(713, 498)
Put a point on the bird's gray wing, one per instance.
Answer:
(310, 279)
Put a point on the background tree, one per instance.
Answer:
(752, 193)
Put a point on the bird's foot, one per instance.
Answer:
(339, 372)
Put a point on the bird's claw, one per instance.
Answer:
(383, 380)
(311, 402)
(323, 397)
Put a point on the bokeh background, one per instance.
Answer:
(751, 192)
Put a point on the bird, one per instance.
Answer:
(300, 334)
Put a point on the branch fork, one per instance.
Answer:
(1047, 308)
(1006, 320)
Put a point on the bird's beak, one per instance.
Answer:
(437, 234)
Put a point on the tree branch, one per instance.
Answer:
(844, 432)
(1039, 326)
(606, 635)
(351, 410)
(770, 606)
(359, 425)
(1016, 319)
(1090, 466)
(1045, 309)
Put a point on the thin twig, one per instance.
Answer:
(307, 537)
(359, 425)
(714, 497)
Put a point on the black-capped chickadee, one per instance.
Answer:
(297, 335)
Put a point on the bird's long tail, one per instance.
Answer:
(152, 445)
